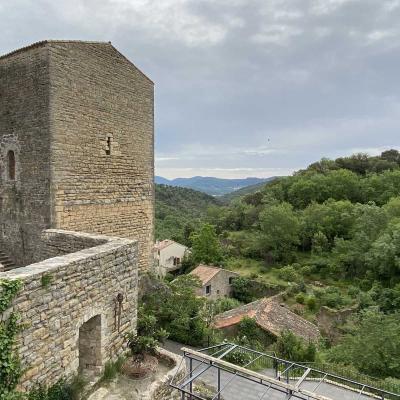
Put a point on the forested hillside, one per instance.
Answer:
(227, 198)
(178, 211)
(330, 235)
(210, 185)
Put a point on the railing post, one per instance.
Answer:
(191, 382)
(219, 383)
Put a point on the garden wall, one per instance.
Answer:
(77, 306)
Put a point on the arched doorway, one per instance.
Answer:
(90, 359)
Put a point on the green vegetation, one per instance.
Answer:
(112, 369)
(330, 236)
(46, 280)
(62, 390)
(205, 246)
(290, 347)
(178, 212)
(10, 367)
(148, 336)
(178, 310)
(372, 345)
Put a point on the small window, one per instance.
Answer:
(11, 165)
(208, 289)
(231, 280)
(108, 147)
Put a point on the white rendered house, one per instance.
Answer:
(168, 256)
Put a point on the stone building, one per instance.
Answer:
(76, 146)
(168, 256)
(216, 283)
(271, 315)
(76, 155)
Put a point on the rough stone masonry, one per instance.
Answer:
(76, 146)
(76, 305)
(76, 155)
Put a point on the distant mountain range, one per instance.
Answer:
(212, 186)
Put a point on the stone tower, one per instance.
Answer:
(76, 146)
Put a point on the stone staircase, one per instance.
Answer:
(6, 264)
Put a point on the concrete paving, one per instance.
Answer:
(238, 388)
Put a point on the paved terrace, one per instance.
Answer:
(263, 377)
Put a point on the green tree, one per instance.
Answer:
(373, 346)
(384, 256)
(281, 227)
(206, 247)
(293, 348)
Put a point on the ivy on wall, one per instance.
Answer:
(10, 367)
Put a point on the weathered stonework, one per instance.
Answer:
(73, 317)
(79, 118)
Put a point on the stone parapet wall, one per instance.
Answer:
(79, 287)
(57, 242)
(161, 390)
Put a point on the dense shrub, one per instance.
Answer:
(372, 346)
(289, 274)
(290, 347)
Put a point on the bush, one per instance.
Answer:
(372, 346)
(250, 334)
(111, 369)
(225, 304)
(288, 274)
(353, 291)
(290, 347)
(301, 298)
(295, 288)
(148, 335)
(332, 297)
(62, 390)
(307, 270)
(242, 290)
(311, 303)
(178, 310)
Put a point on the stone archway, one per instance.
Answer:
(90, 355)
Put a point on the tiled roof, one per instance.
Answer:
(163, 244)
(271, 316)
(205, 273)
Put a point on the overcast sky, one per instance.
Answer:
(244, 87)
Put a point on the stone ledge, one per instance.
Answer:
(106, 244)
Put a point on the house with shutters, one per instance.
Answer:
(216, 282)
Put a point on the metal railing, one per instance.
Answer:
(297, 380)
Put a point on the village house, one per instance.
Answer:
(270, 315)
(168, 256)
(216, 283)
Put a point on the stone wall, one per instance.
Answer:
(330, 321)
(102, 151)
(80, 119)
(220, 285)
(161, 390)
(24, 129)
(80, 288)
(55, 242)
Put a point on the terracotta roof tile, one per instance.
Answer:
(163, 244)
(205, 272)
(271, 316)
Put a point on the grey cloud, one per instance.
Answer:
(315, 77)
